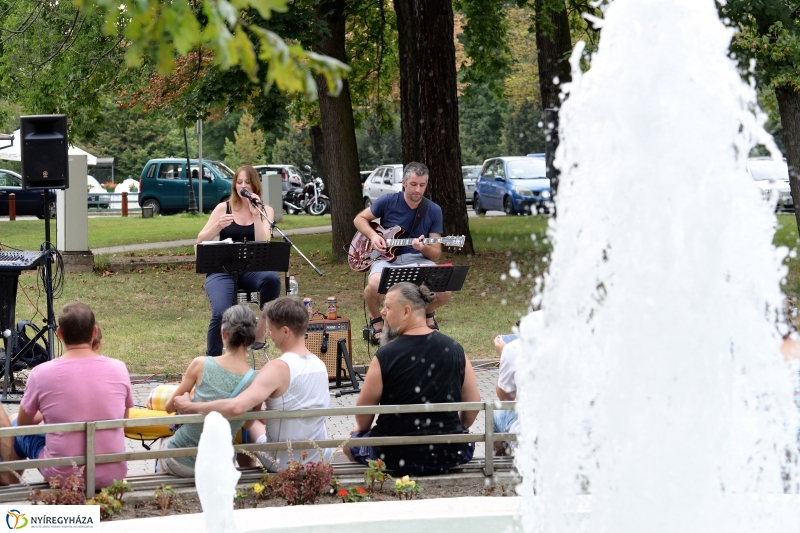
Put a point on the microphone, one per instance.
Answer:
(246, 194)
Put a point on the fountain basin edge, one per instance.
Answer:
(433, 515)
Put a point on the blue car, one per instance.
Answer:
(516, 185)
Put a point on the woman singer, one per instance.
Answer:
(239, 220)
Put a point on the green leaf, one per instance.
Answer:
(187, 33)
(247, 55)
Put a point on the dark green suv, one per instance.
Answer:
(164, 184)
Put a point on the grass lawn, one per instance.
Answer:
(786, 235)
(119, 231)
(155, 318)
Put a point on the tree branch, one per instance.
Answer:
(65, 44)
(96, 61)
(33, 17)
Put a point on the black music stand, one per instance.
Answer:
(342, 355)
(438, 278)
(239, 257)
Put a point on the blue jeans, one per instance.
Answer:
(363, 453)
(219, 289)
(28, 446)
(503, 420)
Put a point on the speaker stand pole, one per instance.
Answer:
(47, 247)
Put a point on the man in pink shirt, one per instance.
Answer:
(80, 386)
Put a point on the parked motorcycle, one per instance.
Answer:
(308, 198)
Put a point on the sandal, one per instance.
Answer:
(374, 339)
(433, 316)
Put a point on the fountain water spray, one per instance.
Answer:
(656, 384)
(215, 475)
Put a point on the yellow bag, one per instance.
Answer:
(159, 396)
(150, 433)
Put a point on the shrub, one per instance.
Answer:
(300, 483)
(109, 505)
(406, 488)
(376, 472)
(164, 496)
(110, 498)
(67, 491)
(353, 494)
(118, 489)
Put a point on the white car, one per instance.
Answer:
(384, 180)
(98, 197)
(773, 179)
(470, 176)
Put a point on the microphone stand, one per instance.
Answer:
(260, 207)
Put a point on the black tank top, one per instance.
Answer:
(235, 232)
(418, 369)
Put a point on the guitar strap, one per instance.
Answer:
(421, 210)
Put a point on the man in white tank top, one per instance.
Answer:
(296, 380)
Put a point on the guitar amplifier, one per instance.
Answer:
(336, 329)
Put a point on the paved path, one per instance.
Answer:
(338, 427)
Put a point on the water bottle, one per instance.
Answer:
(294, 289)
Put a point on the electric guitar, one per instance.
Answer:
(361, 255)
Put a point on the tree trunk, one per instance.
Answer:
(789, 108)
(430, 106)
(340, 160)
(553, 45)
(318, 152)
(408, 40)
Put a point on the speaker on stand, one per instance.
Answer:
(45, 166)
(44, 148)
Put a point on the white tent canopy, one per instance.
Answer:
(14, 153)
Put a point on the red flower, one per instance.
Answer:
(342, 493)
(379, 463)
(361, 490)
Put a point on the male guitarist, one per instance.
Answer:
(417, 215)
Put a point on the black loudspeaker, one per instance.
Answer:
(44, 152)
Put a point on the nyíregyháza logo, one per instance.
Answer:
(15, 519)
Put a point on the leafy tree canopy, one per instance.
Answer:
(162, 30)
(769, 32)
(248, 146)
